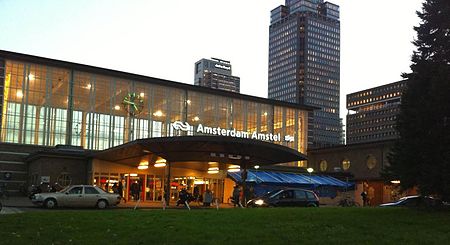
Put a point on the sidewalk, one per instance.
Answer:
(25, 202)
(159, 205)
(18, 202)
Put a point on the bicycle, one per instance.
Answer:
(346, 202)
(4, 194)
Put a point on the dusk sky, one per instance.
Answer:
(164, 39)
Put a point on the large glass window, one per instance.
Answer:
(35, 102)
(48, 106)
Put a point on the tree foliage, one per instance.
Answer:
(421, 155)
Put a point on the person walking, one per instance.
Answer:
(135, 190)
(182, 197)
(207, 198)
(236, 196)
(115, 189)
(364, 197)
(120, 191)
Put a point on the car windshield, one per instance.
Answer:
(271, 194)
(406, 198)
(64, 189)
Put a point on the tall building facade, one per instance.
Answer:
(372, 113)
(216, 73)
(304, 63)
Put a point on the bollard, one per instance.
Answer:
(217, 204)
(164, 204)
(137, 203)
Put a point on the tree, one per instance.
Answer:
(421, 156)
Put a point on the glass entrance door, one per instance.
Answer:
(154, 188)
(134, 186)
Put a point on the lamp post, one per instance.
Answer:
(310, 170)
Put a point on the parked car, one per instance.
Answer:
(77, 196)
(289, 197)
(414, 201)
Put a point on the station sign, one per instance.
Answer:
(203, 129)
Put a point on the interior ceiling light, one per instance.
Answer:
(143, 165)
(161, 160)
(232, 170)
(159, 165)
(213, 171)
(234, 157)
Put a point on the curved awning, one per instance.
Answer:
(220, 149)
(281, 178)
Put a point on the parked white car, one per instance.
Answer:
(77, 196)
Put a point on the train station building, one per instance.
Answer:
(71, 123)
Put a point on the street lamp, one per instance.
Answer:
(310, 170)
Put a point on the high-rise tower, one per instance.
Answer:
(304, 62)
(372, 113)
(216, 73)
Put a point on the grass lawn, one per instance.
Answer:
(228, 226)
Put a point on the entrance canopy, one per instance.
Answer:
(189, 149)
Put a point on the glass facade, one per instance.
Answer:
(50, 105)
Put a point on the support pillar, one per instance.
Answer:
(167, 184)
(244, 183)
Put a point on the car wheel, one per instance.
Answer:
(101, 204)
(50, 203)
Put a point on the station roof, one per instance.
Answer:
(190, 150)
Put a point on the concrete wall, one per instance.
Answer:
(13, 161)
(357, 155)
(366, 177)
(56, 167)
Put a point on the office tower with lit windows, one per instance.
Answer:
(216, 73)
(304, 63)
(372, 113)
